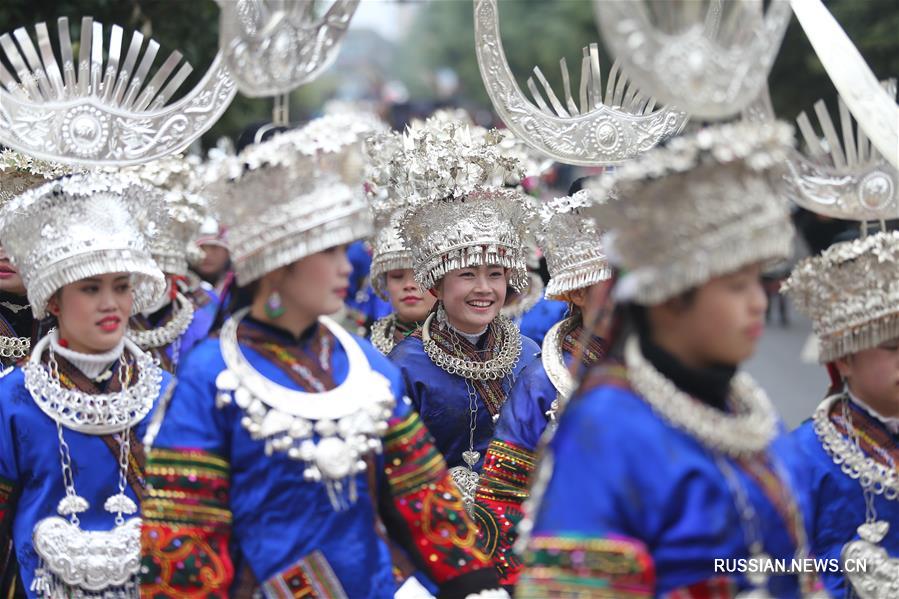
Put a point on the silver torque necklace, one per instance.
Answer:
(182, 315)
(382, 334)
(500, 366)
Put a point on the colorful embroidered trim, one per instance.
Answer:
(873, 438)
(591, 354)
(429, 501)
(187, 525)
(586, 567)
(713, 588)
(7, 488)
(310, 577)
(294, 360)
(502, 489)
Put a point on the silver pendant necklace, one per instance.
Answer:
(500, 366)
(383, 331)
(881, 579)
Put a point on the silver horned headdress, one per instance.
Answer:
(851, 293)
(461, 211)
(704, 205)
(274, 46)
(184, 209)
(294, 195)
(572, 246)
(710, 58)
(80, 226)
(81, 111)
(598, 131)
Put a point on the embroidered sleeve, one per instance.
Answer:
(562, 566)
(187, 526)
(443, 537)
(502, 489)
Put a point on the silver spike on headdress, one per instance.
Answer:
(844, 177)
(572, 246)
(294, 195)
(710, 58)
(851, 294)
(599, 131)
(80, 226)
(81, 111)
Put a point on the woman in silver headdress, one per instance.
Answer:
(72, 417)
(669, 473)
(277, 426)
(465, 230)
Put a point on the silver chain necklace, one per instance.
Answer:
(747, 432)
(880, 580)
(94, 564)
(382, 334)
(500, 366)
(182, 315)
(14, 347)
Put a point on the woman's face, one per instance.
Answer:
(473, 296)
(316, 285)
(10, 279)
(873, 376)
(215, 260)
(407, 299)
(720, 324)
(93, 313)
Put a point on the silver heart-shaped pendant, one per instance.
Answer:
(874, 532)
(471, 457)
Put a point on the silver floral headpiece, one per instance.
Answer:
(702, 206)
(183, 209)
(851, 293)
(572, 246)
(80, 226)
(389, 251)
(81, 111)
(294, 195)
(19, 173)
(709, 58)
(599, 131)
(848, 179)
(272, 47)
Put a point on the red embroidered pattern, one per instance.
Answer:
(502, 489)
(311, 577)
(713, 588)
(429, 502)
(614, 568)
(187, 526)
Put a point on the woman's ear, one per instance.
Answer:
(844, 366)
(437, 290)
(53, 304)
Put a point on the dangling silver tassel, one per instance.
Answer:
(47, 585)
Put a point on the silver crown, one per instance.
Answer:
(704, 205)
(183, 209)
(572, 246)
(709, 58)
(81, 111)
(851, 293)
(294, 195)
(596, 132)
(843, 178)
(389, 251)
(19, 173)
(79, 226)
(272, 47)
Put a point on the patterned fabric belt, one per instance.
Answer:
(311, 577)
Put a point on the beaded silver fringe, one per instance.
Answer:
(294, 246)
(650, 286)
(562, 283)
(858, 338)
(381, 264)
(435, 268)
(147, 280)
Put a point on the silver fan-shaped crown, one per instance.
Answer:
(708, 57)
(844, 177)
(599, 131)
(81, 111)
(274, 46)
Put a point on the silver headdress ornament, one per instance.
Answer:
(846, 178)
(183, 209)
(294, 195)
(873, 107)
(599, 131)
(19, 173)
(704, 205)
(274, 46)
(81, 111)
(460, 214)
(572, 246)
(710, 58)
(80, 226)
(851, 293)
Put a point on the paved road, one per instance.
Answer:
(795, 387)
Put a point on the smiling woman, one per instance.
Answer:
(85, 396)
